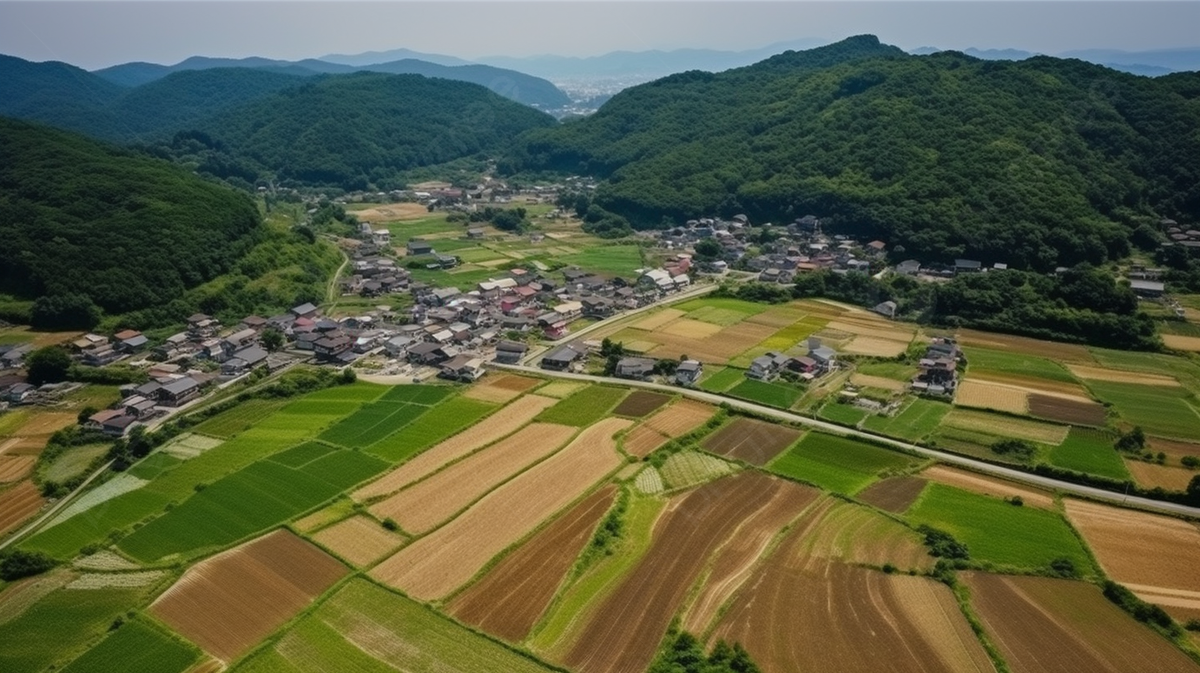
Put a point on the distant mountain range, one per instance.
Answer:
(1152, 63)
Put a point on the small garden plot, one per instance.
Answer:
(840, 464)
(721, 379)
(15, 468)
(649, 481)
(190, 445)
(845, 414)
(876, 347)
(1151, 475)
(751, 440)
(984, 485)
(1063, 410)
(60, 622)
(688, 468)
(893, 495)
(984, 360)
(560, 389)
(74, 462)
(915, 421)
(1089, 451)
(136, 647)
(1006, 426)
(229, 423)
(640, 403)
(584, 407)
(1159, 410)
(360, 540)
(657, 319)
(778, 395)
(995, 531)
(118, 485)
(435, 425)
(984, 395)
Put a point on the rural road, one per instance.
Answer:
(949, 458)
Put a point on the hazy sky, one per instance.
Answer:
(96, 33)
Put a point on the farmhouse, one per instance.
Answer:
(179, 392)
(689, 372)
(418, 247)
(1147, 288)
(766, 367)
(634, 368)
(510, 352)
(463, 367)
(561, 358)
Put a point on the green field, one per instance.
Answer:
(73, 462)
(1089, 451)
(136, 647)
(840, 464)
(610, 260)
(1159, 410)
(845, 414)
(771, 394)
(584, 407)
(1185, 370)
(998, 532)
(720, 310)
(155, 465)
(372, 423)
(913, 422)
(59, 625)
(897, 371)
(363, 618)
(228, 423)
(1004, 362)
(444, 420)
(722, 379)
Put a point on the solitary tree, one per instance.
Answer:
(48, 365)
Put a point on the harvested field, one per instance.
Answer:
(680, 418)
(492, 428)
(1044, 625)
(657, 319)
(105, 560)
(1033, 384)
(132, 580)
(229, 602)
(1139, 548)
(914, 624)
(972, 393)
(190, 445)
(1053, 350)
(869, 324)
(778, 317)
(640, 402)
(439, 563)
(624, 631)
(46, 423)
(560, 389)
(1151, 475)
(426, 504)
(512, 596)
(643, 440)
(734, 563)
(1075, 412)
(875, 347)
(1181, 343)
(1174, 449)
(502, 388)
(978, 483)
(1175, 600)
(26, 446)
(842, 531)
(880, 382)
(18, 504)
(718, 348)
(359, 539)
(1005, 426)
(751, 440)
(649, 481)
(1092, 373)
(15, 468)
(893, 495)
(392, 212)
(688, 468)
(692, 329)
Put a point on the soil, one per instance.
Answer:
(15, 468)
(639, 403)
(680, 418)
(17, 504)
(1139, 548)
(750, 440)
(893, 495)
(1075, 412)
(643, 440)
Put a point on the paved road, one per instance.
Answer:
(949, 458)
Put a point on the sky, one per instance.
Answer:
(97, 33)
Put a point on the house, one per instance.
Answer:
(561, 358)
(381, 237)
(689, 372)
(11, 357)
(254, 322)
(426, 354)
(825, 357)
(330, 347)
(463, 367)
(475, 233)
(20, 392)
(118, 426)
(1147, 288)
(886, 309)
(179, 392)
(239, 340)
(397, 347)
(909, 267)
(101, 356)
(305, 310)
(510, 352)
(418, 247)
(634, 368)
(97, 420)
(243, 361)
(767, 366)
(967, 266)
(597, 307)
(138, 406)
(444, 262)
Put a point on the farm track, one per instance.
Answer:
(832, 428)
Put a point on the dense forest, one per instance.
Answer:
(88, 228)
(1039, 163)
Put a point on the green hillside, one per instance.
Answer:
(1038, 163)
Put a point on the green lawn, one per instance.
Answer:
(998, 532)
(59, 625)
(839, 464)
(1089, 451)
(914, 422)
(1004, 362)
(584, 407)
(771, 394)
(1159, 410)
(609, 260)
(136, 647)
(720, 380)
(845, 414)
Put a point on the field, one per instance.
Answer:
(136, 647)
(1151, 475)
(428, 503)
(649, 481)
(359, 540)
(59, 624)
(1089, 451)
(560, 389)
(848, 533)
(15, 468)
(1064, 410)
(688, 468)
(501, 389)
(1026, 348)
(435, 425)
(997, 532)
(844, 414)
(607, 260)
(1159, 410)
(986, 395)
(74, 461)
(1123, 376)
(190, 445)
(229, 423)
(639, 403)
(985, 361)
(229, 602)
(510, 598)
(750, 440)
(914, 422)
(677, 419)
(368, 629)
(984, 485)
(584, 407)
(470, 439)
(437, 564)
(1044, 625)
(1006, 426)
(778, 395)
(376, 420)
(17, 504)
(839, 464)
(894, 495)
(722, 379)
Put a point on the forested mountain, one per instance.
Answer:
(87, 227)
(1037, 163)
(55, 93)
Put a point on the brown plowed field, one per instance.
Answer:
(1174, 449)
(800, 613)
(229, 602)
(502, 388)
(643, 440)
(1044, 625)
(639, 403)
(624, 631)
(503, 422)
(978, 483)
(15, 468)
(754, 441)
(680, 418)
(508, 601)
(359, 540)
(992, 396)
(1152, 474)
(893, 495)
(18, 504)
(444, 560)
(853, 534)
(1076, 412)
(426, 504)
(1138, 548)
(1014, 344)
(734, 562)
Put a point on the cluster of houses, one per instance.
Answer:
(938, 373)
(819, 361)
(169, 387)
(1187, 237)
(573, 357)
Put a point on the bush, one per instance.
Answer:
(1064, 567)
(18, 563)
(390, 524)
(1190, 462)
(942, 544)
(1017, 448)
(1141, 610)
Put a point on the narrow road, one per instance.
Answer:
(949, 458)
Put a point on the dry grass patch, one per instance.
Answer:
(46, 423)
(680, 418)
(1150, 475)
(657, 319)
(560, 389)
(360, 540)
(1005, 426)
(992, 396)
(1122, 376)
(880, 382)
(1181, 343)
(694, 329)
(876, 347)
(392, 212)
(977, 483)
(1139, 548)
